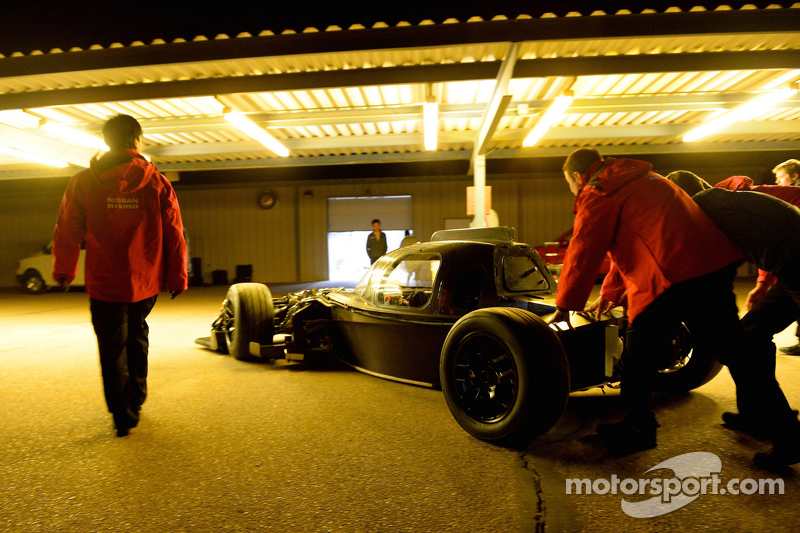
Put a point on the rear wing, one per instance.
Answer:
(495, 234)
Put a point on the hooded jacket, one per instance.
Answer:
(656, 234)
(763, 226)
(128, 214)
(786, 193)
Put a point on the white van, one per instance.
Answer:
(35, 273)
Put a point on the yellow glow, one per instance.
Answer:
(75, 136)
(430, 122)
(553, 113)
(256, 132)
(742, 112)
(33, 157)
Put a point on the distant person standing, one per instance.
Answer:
(376, 242)
(408, 240)
(128, 215)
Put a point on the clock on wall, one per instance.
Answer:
(267, 199)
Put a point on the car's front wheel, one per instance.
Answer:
(34, 283)
(248, 317)
(505, 375)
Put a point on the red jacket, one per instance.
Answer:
(656, 234)
(129, 217)
(787, 193)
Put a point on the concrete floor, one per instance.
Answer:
(230, 446)
(690, 423)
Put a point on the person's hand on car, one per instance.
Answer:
(561, 315)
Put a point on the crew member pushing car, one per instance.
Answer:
(675, 264)
(128, 214)
(762, 225)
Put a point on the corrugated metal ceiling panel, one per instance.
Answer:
(194, 121)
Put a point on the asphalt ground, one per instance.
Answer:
(225, 445)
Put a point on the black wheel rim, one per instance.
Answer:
(485, 377)
(227, 322)
(681, 351)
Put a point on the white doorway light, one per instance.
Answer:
(347, 253)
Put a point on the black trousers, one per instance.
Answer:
(122, 331)
(707, 305)
(771, 315)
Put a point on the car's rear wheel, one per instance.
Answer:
(687, 368)
(505, 375)
(34, 283)
(248, 317)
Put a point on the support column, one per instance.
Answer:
(480, 192)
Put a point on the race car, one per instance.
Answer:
(554, 252)
(465, 313)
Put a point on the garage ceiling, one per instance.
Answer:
(354, 95)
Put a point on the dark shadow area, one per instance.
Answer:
(574, 438)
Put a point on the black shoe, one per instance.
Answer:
(747, 423)
(779, 458)
(124, 425)
(790, 350)
(629, 436)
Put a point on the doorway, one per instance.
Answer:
(349, 224)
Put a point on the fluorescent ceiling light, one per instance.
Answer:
(74, 135)
(430, 123)
(33, 157)
(742, 112)
(19, 119)
(256, 132)
(553, 113)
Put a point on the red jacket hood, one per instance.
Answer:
(129, 171)
(736, 183)
(608, 175)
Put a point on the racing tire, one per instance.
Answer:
(687, 369)
(34, 283)
(251, 318)
(504, 375)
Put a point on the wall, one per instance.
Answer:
(288, 243)
(226, 227)
(539, 209)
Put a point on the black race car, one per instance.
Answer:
(465, 313)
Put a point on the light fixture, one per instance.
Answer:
(742, 112)
(256, 132)
(553, 113)
(33, 157)
(74, 136)
(430, 123)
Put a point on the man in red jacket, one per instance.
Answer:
(676, 267)
(128, 215)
